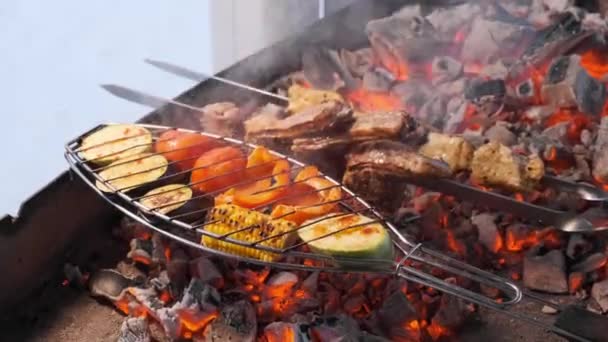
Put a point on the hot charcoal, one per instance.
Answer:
(498, 96)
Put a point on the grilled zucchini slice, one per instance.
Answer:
(331, 235)
(115, 142)
(167, 198)
(133, 172)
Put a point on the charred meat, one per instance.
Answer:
(312, 119)
(367, 126)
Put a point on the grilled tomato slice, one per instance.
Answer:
(183, 148)
(217, 169)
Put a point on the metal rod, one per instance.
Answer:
(201, 77)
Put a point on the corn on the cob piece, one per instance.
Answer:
(228, 218)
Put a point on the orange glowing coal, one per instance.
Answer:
(556, 163)
(437, 331)
(575, 281)
(518, 242)
(283, 334)
(455, 245)
(600, 183)
(368, 101)
(123, 305)
(595, 62)
(399, 69)
(165, 297)
(193, 321)
(578, 121)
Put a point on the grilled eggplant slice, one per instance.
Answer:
(115, 142)
(331, 235)
(133, 172)
(167, 198)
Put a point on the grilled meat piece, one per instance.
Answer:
(396, 159)
(223, 118)
(313, 119)
(381, 189)
(377, 171)
(301, 98)
(494, 164)
(378, 124)
(455, 151)
(367, 126)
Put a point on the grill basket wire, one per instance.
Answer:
(295, 256)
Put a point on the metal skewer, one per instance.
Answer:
(144, 99)
(200, 77)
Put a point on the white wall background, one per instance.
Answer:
(54, 54)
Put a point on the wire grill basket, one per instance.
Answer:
(412, 261)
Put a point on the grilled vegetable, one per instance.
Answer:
(217, 169)
(130, 173)
(266, 179)
(167, 198)
(260, 163)
(310, 196)
(229, 218)
(115, 142)
(332, 235)
(184, 148)
(266, 190)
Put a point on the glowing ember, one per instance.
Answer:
(556, 163)
(373, 101)
(193, 320)
(399, 70)
(142, 260)
(436, 331)
(578, 121)
(455, 245)
(575, 281)
(165, 297)
(518, 241)
(595, 62)
(280, 332)
(123, 305)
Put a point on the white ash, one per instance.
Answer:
(199, 296)
(134, 329)
(488, 40)
(488, 231)
(599, 292)
(445, 68)
(456, 110)
(161, 282)
(500, 132)
(449, 20)
(496, 70)
(549, 310)
(409, 11)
